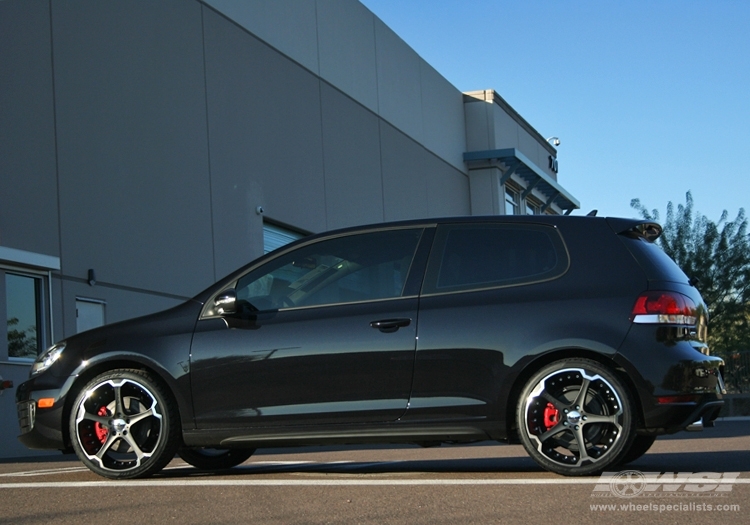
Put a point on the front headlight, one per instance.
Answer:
(48, 357)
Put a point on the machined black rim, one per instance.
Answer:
(574, 417)
(119, 424)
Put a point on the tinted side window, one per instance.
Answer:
(353, 268)
(474, 256)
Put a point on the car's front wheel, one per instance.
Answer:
(575, 417)
(214, 458)
(123, 425)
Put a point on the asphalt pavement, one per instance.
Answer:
(689, 477)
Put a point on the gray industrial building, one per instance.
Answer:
(149, 148)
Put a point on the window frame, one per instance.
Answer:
(533, 208)
(512, 199)
(44, 310)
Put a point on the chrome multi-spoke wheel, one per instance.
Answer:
(122, 425)
(575, 417)
(214, 458)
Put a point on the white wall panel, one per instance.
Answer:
(405, 176)
(529, 146)
(447, 189)
(399, 82)
(480, 131)
(131, 142)
(346, 39)
(288, 25)
(353, 50)
(443, 116)
(264, 127)
(351, 149)
(505, 129)
(28, 178)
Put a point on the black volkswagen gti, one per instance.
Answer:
(576, 336)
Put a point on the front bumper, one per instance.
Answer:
(41, 428)
(38, 434)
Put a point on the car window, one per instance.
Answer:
(489, 255)
(351, 268)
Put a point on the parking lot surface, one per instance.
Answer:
(690, 478)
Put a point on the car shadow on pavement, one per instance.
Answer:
(714, 461)
(723, 461)
(722, 428)
(474, 465)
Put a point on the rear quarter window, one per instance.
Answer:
(478, 256)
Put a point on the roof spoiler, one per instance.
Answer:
(647, 230)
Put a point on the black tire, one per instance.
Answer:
(639, 447)
(575, 417)
(124, 425)
(215, 458)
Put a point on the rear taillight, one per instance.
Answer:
(664, 308)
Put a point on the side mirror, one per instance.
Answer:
(226, 303)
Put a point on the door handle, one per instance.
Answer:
(390, 325)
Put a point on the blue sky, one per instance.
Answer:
(650, 99)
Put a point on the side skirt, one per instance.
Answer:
(351, 435)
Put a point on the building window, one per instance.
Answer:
(25, 292)
(532, 208)
(23, 307)
(511, 202)
(277, 236)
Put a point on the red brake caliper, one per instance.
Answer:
(551, 416)
(102, 432)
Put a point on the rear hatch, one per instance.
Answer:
(663, 302)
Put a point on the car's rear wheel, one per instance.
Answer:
(639, 447)
(214, 458)
(575, 417)
(123, 425)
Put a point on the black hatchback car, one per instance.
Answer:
(575, 336)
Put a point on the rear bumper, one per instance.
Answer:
(675, 383)
(671, 418)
